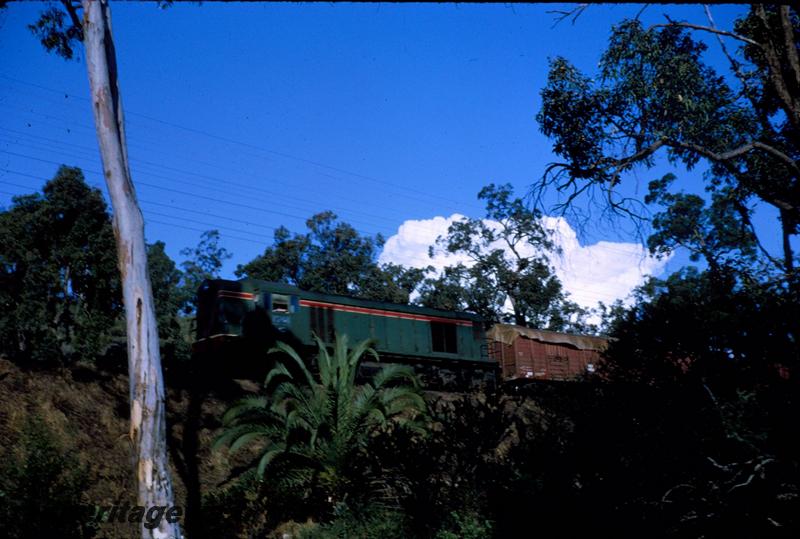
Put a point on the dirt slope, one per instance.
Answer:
(86, 408)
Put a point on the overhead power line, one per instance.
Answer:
(228, 140)
(178, 191)
(170, 225)
(90, 129)
(216, 180)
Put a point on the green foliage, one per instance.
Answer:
(313, 433)
(453, 476)
(55, 34)
(654, 94)
(508, 262)
(708, 357)
(369, 522)
(241, 508)
(714, 232)
(42, 489)
(205, 262)
(390, 282)
(704, 326)
(332, 257)
(60, 286)
(465, 526)
(693, 433)
(447, 292)
(169, 297)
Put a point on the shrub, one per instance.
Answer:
(41, 489)
(465, 525)
(370, 522)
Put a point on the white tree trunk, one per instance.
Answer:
(148, 426)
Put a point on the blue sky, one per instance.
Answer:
(245, 117)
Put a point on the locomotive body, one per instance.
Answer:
(258, 313)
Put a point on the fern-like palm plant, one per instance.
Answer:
(312, 431)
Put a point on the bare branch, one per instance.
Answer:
(723, 467)
(72, 10)
(621, 164)
(742, 210)
(707, 29)
(639, 14)
(665, 497)
(747, 90)
(574, 13)
(774, 522)
(758, 470)
(741, 150)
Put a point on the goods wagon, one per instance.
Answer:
(450, 346)
(526, 353)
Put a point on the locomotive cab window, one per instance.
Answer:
(230, 313)
(280, 303)
(443, 338)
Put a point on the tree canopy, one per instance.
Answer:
(60, 284)
(654, 95)
(332, 257)
(203, 262)
(170, 297)
(719, 342)
(508, 262)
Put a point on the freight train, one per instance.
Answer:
(237, 320)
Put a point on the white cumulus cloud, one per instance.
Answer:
(604, 271)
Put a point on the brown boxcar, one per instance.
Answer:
(543, 355)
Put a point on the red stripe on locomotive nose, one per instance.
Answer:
(380, 312)
(233, 294)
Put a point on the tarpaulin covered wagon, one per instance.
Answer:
(543, 355)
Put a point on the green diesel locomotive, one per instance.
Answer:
(446, 348)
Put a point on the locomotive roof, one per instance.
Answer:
(256, 285)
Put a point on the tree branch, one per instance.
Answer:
(775, 74)
(743, 214)
(574, 13)
(708, 29)
(737, 69)
(638, 156)
(639, 14)
(665, 497)
(759, 468)
(741, 150)
(72, 10)
(723, 467)
(788, 39)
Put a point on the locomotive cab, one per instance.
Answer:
(230, 310)
(222, 309)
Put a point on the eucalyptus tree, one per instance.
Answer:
(59, 287)
(721, 343)
(311, 432)
(332, 257)
(203, 262)
(507, 262)
(148, 426)
(655, 97)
